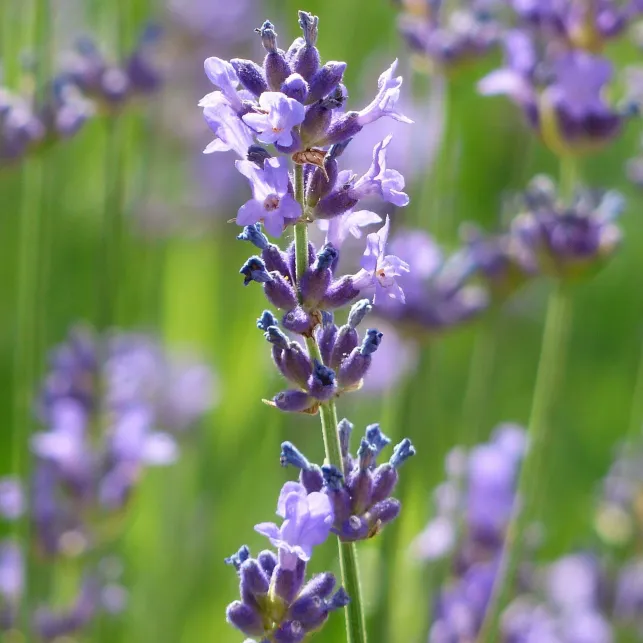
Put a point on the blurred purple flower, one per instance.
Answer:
(12, 502)
(272, 204)
(308, 519)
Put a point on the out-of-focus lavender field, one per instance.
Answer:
(136, 453)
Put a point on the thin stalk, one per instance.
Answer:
(354, 611)
(636, 408)
(550, 366)
(479, 379)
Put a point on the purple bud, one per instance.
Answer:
(353, 369)
(321, 585)
(305, 60)
(371, 342)
(344, 128)
(245, 618)
(295, 87)
(276, 337)
(250, 75)
(326, 80)
(385, 478)
(238, 558)
(326, 339)
(268, 561)
(288, 582)
(278, 359)
(279, 292)
(318, 186)
(309, 610)
(360, 488)
(402, 452)
(358, 311)
(293, 401)
(253, 578)
(345, 343)
(354, 528)
(334, 204)
(253, 234)
(291, 257)
(276, 260)
(340, 599)
(298, 321)
(321, 383)
(297, 365)
(344, 429)
(315, 281)
(289, 632)
(316, 122)
(385, 511)
(366, 454)
(254, 270)
(333, 477)
(275, 67)
(342, 503)
(311, 476)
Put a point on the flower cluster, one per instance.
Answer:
(360, 491)
(568, 240)
(448, 37)
(87, 83)
(110, 406)
(276, 603)
(554, 71)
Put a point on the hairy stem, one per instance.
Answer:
(354, 611)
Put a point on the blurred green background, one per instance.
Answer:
(176, 275)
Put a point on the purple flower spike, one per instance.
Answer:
(379, 269)
(381, 181)
(278, 115)
(384, 103)
(271, 202)
(307, 522)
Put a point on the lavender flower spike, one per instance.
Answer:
(308, 519)
(278, 115)
(271, 202)
(379, 269)
(384, 103)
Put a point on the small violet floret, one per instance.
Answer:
(381, 181)
(338, 228)
(308, 518)
(379, 269)
(275, 118)
(271, 203)
(222, 74)
(387, 96)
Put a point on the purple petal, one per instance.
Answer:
(371, 253)
(268, 529)
(258, 122)
(222, 74)
(285, 139)
(394, 266)
(286, 490)
(250, 212)
(289, 208)
(276, 174)
(273, 223)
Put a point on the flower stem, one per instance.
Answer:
(353, 612)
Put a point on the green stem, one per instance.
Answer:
(479, 379)
(555, 333)
(354, 611)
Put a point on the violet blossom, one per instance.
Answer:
(379, 269)
(272, 203)
(308, 518)
(274, 119)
